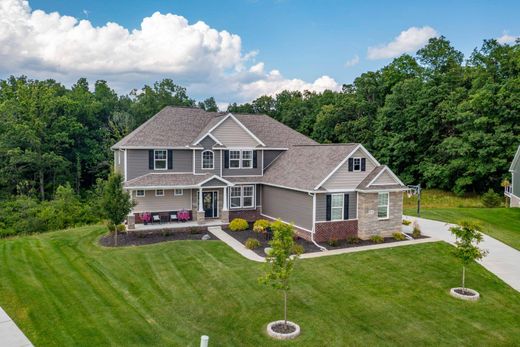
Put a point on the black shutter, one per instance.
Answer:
(170, 159)
(329, 205)
(150, 159)
(345, 206)
(255, 157)
(363, 164)
(350, 164)
(226, 159)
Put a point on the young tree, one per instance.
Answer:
(280, 263)
(115, 202)
(468, 237)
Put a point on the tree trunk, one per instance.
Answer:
(463, 277)
(285, 308)
(42, 182)
(115, 237)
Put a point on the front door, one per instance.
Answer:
(209, 201)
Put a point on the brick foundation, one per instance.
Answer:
(248, 215)
(339, 230)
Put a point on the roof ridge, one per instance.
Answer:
(327, 144)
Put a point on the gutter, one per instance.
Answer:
(314, 222)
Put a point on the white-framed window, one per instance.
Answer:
(160, 161)
(336, 207)
(383, 205)
(178, 192)
(159, 192)
(234, 197)
(248, 195)
(207, 160)
(357, 164)
(139, 193)
(234, 159)
(247, 159)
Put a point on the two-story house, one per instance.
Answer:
(513, 191)
(222, 166)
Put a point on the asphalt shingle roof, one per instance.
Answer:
(363, 185)
(165, 180)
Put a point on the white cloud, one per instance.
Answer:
(207, 61)
(353, 61)
(407, 41)
(507, 39)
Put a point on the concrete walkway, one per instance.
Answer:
(502, 260)
(236, 245)
(10, 334)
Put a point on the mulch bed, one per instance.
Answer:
(135, 238)
(283, 329)
(308, 246)
(464, 292)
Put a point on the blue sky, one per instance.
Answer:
(303, 40)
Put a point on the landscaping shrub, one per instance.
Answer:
(491, 199)
(252, 243)
(406, 222)
(332, 242)
(297, 249)
(238, 224)
(377, 239)
(261, 225)
(111, 226)
(353, 240)
(121, 228)
(399, 236)
(416, 230)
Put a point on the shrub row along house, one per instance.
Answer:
(222, 166)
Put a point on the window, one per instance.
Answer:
(160, 159)
(139, 193)
(235, 193)
(357, 164)
(159, 192)
(337, 207)
(234, 159)
(248, 195)
(178, 192)
(207, 160)
(382, 205)
(247, 159)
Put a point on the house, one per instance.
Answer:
(222, 166)
(513, 191)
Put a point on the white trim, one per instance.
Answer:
(193, 162)
(516, 158)
(157, 190)
(212, 137)
(242, 186)
(342, 216)
(126, 166)
(175, 192)
(357, 205)
(285, 187)
(162, 187)
(140, 196)
(165, 160)
(382, 190)
(335, 221)
(262, 162)
(335, 191)
(221, 162)
(385, 168)
(313, 212)
(387, 206)
(297, 226)
(212, 160)
(218, 200)
(242, 176)
(216, 177)
(354, 164)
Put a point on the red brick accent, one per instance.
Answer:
(339, 230)
(248, 215)
(304, 234)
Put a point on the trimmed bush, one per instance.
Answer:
(353, 240)
(399, 236)
(252, 243)
(332, 242)
(111, 226)
(377, 239)
(491, 199)
(416, 230)
(406, 222)
(121, 228)
(297, 249)
(238, 224)
(261, 225)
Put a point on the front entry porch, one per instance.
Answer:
(176, 225)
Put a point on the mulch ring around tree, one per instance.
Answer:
(136, 238)
(308, 246)
(282, 328)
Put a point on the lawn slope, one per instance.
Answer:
(62, 289)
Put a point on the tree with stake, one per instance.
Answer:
(468, 237)
(280, 264)
(115, 202)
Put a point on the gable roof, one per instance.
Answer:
(516, 160)
(305, 166)
(368, 181)
(169, 180)
(218, 121)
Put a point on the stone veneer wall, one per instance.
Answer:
(339, 230)
(369, 224)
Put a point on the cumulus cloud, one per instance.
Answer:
(204, 59)
(507, 39)
(407, 41)
(353, 61)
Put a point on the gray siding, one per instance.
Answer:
(138, 162)
(233, 135)
(343, 179)
(288, 205)
(214, 183)
(259, 194)
(208, 143)
(270, 156)
(385, 178)
(516, 181)
(321, 206)
(168, 202)
(243, 172)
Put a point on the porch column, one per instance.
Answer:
(200, 211)
(225, 197)
(201, 205)
(224, 214)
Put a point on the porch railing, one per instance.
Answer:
(508, 190)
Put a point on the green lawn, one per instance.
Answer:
(500, 223)
(62, 289)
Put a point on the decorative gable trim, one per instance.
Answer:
(359, 146)
(385, 169)
(229, 115)
(217, 178)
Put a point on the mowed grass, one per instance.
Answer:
(435, 198)
(62, 289)
(500, 223)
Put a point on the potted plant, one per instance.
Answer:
(468, 237)
(280, 264)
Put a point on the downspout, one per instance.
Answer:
(314, 221)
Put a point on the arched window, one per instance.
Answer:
(207, 160)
